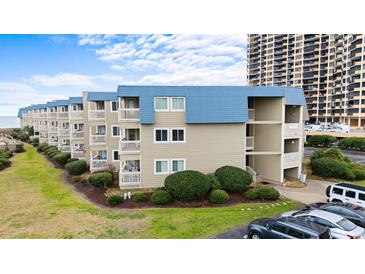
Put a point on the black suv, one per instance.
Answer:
(286, 228)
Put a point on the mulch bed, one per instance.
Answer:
(4, 167)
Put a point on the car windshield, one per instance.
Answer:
(346, 225)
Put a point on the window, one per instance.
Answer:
(115, 131)
(177, 104)
(161, 166)
(338, 191)
(115, 155)
(350, 194)
(279, 228)
(114, 106)
(178, 135)
(362, 196)
(294, 233)
(177, 165)
(161, 104)
(161, 135)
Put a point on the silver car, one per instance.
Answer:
(340, 227)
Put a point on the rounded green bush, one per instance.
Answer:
(213, 182)
(61, 158)
(161, 197)
(101, 179)
(353, 143)
(6, 154)
(52, 154)
(71, 160)
(76, 168)
(41, 147)
(328, 168)
(251, 194)
(19, 148)
(187, 185)
(115, 199)
(233, 179)
(348, 175)
(4, 161)
(359, 174)
(219, 196)
(140, 197)
(268, 193)
(321, 140)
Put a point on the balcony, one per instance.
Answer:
(64, 148)
(130, 147)
(52, 129)
(79, 154)
(291, 159)
(52, 115)
(63, 132)
(96, 114)
(77, 134)
(129, 178)
(76, 115)
(292, 130)
(43, 115)
(97, 139)
(53, 143)
(63, 115)
(128, 114)
(98, 164)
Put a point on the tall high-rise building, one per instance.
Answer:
(329, 68)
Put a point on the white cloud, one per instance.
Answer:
(94, 39)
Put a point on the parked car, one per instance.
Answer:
(339, 128)
(353, 213)
(286, 228)
(312, 127)
(346, 193)
(341, 228)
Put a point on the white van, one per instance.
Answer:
(346, 193)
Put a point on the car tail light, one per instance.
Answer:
(353, 237)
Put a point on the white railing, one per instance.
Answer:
(291, 159)
(130, 146)
(76, 115)
(65, 148)
(97, 139)
(53, 143)
(252, 172)
(43, 140)
(43, 115)
(249, 141)
(36, 115)
(51, 114)
(63, 131)
(77, 134)
(52, 129)
(130, 177)
(129, 114)
(43, 128)
(251, 114)
(98, 164)
(292, 130)
(96, 114)
(63, 115)
(78, 154)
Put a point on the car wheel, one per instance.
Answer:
(255, 236)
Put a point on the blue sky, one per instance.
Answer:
(38, 68)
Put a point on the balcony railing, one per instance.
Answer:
(96, 114)
(291, 159)
(98, 164)
(77, 134)
(64, 148)
(51, 114)
(63, 131)
(74, 115)
(78, 154)
(130, 177)
(249, 142)
(130, 146)
(52, 129)
(129, 114)
(63, 115)
(42, 115)
(97, 139)
(53, 143)
(292, 130)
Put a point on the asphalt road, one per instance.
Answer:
(355, 156)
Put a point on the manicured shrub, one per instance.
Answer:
(321, 141)
(102, 179)
(19, 148)
(44, 148)
(333, 153)
(115, 199)
(268, 193)
(61, 158)
(359, 174)
(71, 160)
(219, 196)
(187, 185)
(76, 168)
(4, 161)
(140, 197)
(49, 150)
(233, 179)
(161, 197)
(6, 154)
(251, 194)
(348, 175)
(353, 143)
(52, 154)
(328, 168)
(41, 147)
(35, 142)
(213, 182)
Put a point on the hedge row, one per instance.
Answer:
(353, 143)
(322, 141)
(5, 155)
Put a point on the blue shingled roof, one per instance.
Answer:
(62, 102)
(75, 100)
(51, 104)
(102, 96)
(209, 104)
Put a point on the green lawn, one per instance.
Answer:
(360, 183)
(36, 203)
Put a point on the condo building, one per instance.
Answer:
(328, 67)
(145, 133)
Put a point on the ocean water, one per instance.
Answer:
(9, 122)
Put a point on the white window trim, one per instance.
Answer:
(97, 152)
(162, 110)
(113, 155)
(161, 173)
(115, 136)
(177, 110)
(178, 128)
(177, 159)
(161, 142)
(111, 106)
